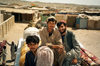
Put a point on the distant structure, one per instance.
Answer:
(6, 22)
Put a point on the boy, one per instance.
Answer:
(33, 43)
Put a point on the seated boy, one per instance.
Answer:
(33, 43)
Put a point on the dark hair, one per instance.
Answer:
(51, 19)
(60, 23)
(34, 39)
(12, 42)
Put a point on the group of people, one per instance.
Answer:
(60, 41)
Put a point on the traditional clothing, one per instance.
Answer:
(72, 48)
(53, 38)
(30, 59)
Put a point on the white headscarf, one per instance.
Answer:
(45, 56)
(31, 31)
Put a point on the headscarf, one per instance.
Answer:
(45, 56)
(31, 31)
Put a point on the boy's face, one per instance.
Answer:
(32, 46)
(51, 25)
(62, 28)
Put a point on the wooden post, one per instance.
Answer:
(2, 31)
(6, 27)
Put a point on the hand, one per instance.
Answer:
(74, 61)
(52, 46)
(55, 46)
(61, 49)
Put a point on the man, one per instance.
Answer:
(71, 45)
(33, 43)
(13, 50)
(51, 37)
(50, 34)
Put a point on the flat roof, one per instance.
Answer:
(24, 11)
(92, 11)
(36, 8)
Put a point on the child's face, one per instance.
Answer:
(32, 46)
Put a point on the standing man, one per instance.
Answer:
(72, 47)
(13, 50)
(51, 37)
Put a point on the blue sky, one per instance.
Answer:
(83, 2)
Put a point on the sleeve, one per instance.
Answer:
(9, 44)
(42, 36)
(58, 39)
(75, 52)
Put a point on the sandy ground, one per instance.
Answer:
(89, 38)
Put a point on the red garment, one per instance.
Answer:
(89, 57)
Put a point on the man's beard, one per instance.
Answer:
(63, 31)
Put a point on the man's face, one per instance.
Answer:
(62, 28)
(32, 47)
(51, 25)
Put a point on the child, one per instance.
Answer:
(33, 43)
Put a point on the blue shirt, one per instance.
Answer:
(30, 59)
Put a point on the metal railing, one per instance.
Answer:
(6, 26)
